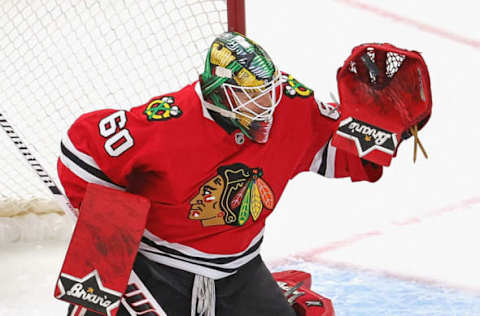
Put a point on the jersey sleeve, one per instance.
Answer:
(100, 147)
(335, 163)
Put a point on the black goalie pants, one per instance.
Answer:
(252, 291)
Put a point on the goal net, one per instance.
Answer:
(59, 59)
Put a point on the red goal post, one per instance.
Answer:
(236, 16)
(59, 59)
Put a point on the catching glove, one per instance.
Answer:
(385, 98)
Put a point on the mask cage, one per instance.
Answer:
(255, 103)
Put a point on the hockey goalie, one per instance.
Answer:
(173, 194)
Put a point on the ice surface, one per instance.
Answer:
(406, 245)
(363, 293)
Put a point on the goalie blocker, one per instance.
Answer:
(385, 98)
(102, 250)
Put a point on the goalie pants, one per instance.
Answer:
(251, 291)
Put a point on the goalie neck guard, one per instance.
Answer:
(241, 83)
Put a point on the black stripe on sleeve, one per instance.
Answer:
(92, 170)
(323, 166)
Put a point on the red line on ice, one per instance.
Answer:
(422, 26)
(312, 255)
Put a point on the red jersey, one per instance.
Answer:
(210, 190)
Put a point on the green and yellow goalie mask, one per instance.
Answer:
(241, 82)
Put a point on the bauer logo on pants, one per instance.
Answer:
(88, 292)
(367, 137)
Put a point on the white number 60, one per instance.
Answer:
(117, 142)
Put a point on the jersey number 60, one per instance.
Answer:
(117, 141)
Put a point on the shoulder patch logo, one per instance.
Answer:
(231, 197)
(162, 109)
(294, 88)
(329, 110)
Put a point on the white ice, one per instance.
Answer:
(419, 222)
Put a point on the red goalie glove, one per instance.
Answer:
(385, 97)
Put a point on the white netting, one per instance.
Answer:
(59, 59)
(393, 62)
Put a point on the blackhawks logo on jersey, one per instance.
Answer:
(294, 88)
(162, 109)
(231, 197)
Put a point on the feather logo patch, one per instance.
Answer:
(233, 196)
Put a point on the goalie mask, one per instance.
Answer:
(241, 83)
